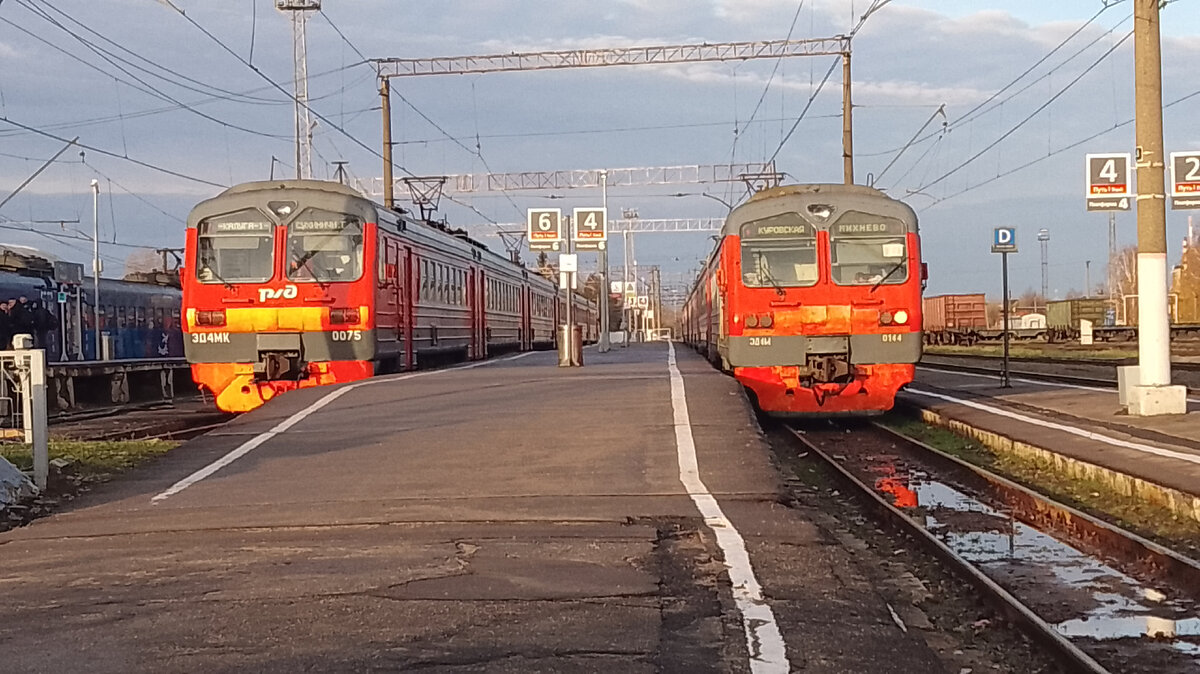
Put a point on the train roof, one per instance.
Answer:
(838, 198)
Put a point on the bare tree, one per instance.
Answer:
(1187, 287)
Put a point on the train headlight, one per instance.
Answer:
(885, 318)
(901, 317)
(752, 321)
(767, 320)
(211, 318)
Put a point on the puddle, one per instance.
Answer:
(1103, 603)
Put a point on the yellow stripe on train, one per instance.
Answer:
(277, 319)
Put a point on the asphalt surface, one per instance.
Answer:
(512, 517)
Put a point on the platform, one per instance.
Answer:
(1081, 422)
(509, 516)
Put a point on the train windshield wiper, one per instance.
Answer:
(764, 271)
(212, 270)
(887, 276)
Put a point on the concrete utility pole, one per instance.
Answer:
(96, 264)
(389, 188)
(1152, 394)
(847, 122)
(1044, 239)
(602, 300)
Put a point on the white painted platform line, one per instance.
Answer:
(249, 445)
(1115, 442)
(768, 653)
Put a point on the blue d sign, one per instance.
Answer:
(1004, 240)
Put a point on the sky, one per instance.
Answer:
(173, 100)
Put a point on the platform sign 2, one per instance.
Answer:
(591, 228)
(1109, 187)
(1004, 240)
(544, 228)
(1185, 180)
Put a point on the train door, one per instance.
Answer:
(405, 291)
(480, 325)
(389, 319)
(526, 321)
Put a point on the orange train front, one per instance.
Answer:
(812, 299)
(300, 283)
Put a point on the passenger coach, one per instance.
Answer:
(812, 299)
(302, 283)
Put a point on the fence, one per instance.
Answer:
(23, 405)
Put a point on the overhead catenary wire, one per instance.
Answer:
(1028, 117)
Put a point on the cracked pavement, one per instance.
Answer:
(508, 518)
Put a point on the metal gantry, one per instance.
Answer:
(620, 56)
(693, 174)
(387, 68)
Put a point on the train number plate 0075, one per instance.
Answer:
(346, 335)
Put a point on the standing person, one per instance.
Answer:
(5, 327)
(21, 316)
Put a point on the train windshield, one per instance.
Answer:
(868, 250)
(235, 248)
(324, 247)
(778, 252)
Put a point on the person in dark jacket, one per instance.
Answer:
(6, 332)
(20, 315)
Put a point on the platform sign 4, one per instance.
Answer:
(1185, 180)
(544, 228)
(1109, 187)
(1004, 240)
(591, 228)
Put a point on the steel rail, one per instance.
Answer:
(1040, 376)
(1037, 629)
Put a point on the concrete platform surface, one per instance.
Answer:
(1080, 422)
(508, 517)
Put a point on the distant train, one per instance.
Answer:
(812, 299)
(298, 283)
(963, 320)
(138, 318)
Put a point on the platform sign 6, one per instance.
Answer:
(1185, 179)
(544, 228)
(1004, 240)
(591, 228)
(1109, 187)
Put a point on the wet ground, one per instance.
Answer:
(1129, 624)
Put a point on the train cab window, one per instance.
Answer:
(778, 252)
(324, 247)
(866, 250)
(235, 248)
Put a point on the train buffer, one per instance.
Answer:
(1080, 429)
(514, 515)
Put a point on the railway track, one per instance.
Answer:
(1098, 373)
(1100, 598)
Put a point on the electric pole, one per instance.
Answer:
(1153, 393)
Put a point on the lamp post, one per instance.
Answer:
(96, 263)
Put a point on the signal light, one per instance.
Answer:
(343, 315)
(885, 318)
(212, 318)
(766, 321)
(752, 321)
(901, 317)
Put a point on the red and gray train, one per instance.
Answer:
(300, 283)
(812, 299)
